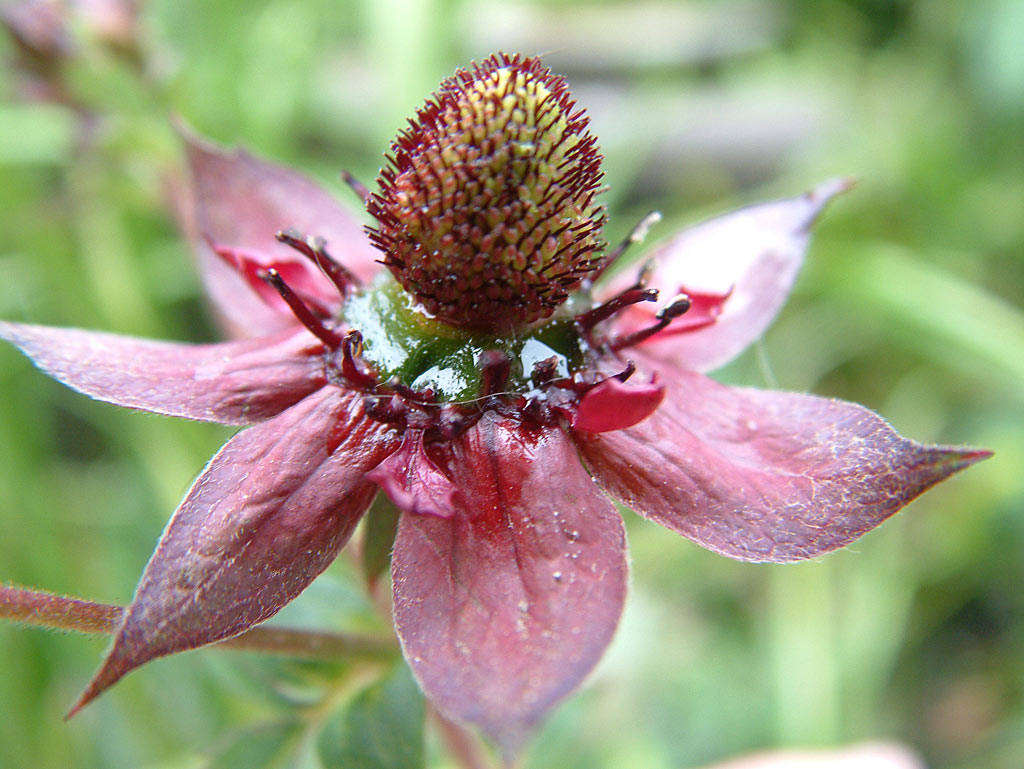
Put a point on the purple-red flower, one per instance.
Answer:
(504, 405)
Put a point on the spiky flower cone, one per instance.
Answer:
(486, 212)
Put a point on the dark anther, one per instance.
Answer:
(353, 368)
(544, 371)
(385, 408)
(357, 186)
(419, 397)
(451, 422)
(666, 315)
(313, 248)
(536, 412)
(636, 235)
(587, 320)
(626, 373)
(495, 367)
(305, 316)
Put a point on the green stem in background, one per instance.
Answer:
(463, 746)
(35, 607)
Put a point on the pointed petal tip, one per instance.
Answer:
(956, 458)
(823, 194)
(830, 188)
(108, 675)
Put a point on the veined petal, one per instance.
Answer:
(241, 202)
(765, 476)
(267, 515)
(505, 607)
(233, 382)
(752, 255)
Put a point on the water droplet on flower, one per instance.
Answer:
(524, 606)
(558, 576)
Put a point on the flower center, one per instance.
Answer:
(416, 351)
(486, 212)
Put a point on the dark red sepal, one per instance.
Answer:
(267, 515)
(234, 383)
(505, 607)
(760, 475)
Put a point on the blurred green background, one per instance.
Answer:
(910, 303)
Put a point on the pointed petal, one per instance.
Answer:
(241, 202)
(754, 253)
(268, 514)
(505, 607)
(232, 383)
(765, 476)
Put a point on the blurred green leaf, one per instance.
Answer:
(260, 746)
(379, 538)
(932, 309)
(381, 728)
(36, 134)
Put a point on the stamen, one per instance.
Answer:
(585, 321)
(495, 368)
(626, 373)
(357, 186)
(636, 235)
(313, 248)
(419, 397)
(544, 371)
(451, 422)
(385, 408)
(666, 315)
(353, 368)
(304, 315)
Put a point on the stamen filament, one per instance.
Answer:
(665, 316)
(636, 235)
(313, 248)
(585, 321)
(357, 186)
(352, 366)
(304, 315)
(495, 368)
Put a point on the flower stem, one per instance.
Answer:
(464, 747)
(35, 607)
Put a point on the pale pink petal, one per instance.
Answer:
(268, 514)
(753, 255)
(505, 607)
(765, 476)
(232, 382)
(241, 202)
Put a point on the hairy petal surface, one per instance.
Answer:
(232, 383)
(752, 255)
(765, 476)
(241, 202)
(504, 607)
(267, 515)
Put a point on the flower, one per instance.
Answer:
(500, 393)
